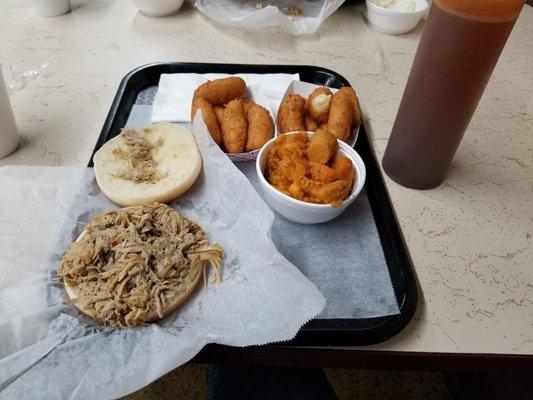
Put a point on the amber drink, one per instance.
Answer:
(459, 48)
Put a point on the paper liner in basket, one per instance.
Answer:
(304, 89)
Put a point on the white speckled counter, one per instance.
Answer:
(470, 239)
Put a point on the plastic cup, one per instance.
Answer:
(9, 139)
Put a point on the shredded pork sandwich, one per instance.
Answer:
(137, 264)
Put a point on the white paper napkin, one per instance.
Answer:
(174, 96)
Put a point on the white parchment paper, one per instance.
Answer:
(50, 351)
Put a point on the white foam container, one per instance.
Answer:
(396, 21)
(51, 8)
(158, 8)
(301, 211)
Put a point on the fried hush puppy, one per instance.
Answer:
(319, 104)
(322, 173)
(291, 114)
(343, 167)
(210, 118)
(260, 126)
(221, 91)
(289, 170)
(333, 193)
(357, 114)
(310, 123)
(341, 114)
(235, 124)
(234, 127)
(322, 146)
(354, 101)
(219, 111)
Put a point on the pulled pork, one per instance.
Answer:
(139, 157)
(135, 262)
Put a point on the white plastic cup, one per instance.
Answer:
(9, 138)
(51, 8)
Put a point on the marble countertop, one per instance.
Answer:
(470, 239)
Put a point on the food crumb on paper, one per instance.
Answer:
(293, 11)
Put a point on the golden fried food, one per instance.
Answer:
(219, 111)
(343, 167)
(260, 126)
(291, 114)
(290, 171)
(333, 193)
(322, 146)
(356, 113)
(298, 137)
(310, 123)
(322, 173)
(234, 127)
(221, 91)
(341, 114)
(246, 104)
(289, 144)
(210, 118)
(292, 11)
(236, 124)
(319, 104)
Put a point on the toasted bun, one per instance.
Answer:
(178, 161)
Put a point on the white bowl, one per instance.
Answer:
(51, 8)
(395, 21)
(158, 8)
(301, 211)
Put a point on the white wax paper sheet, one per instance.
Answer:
(255, 15)
(48, 350)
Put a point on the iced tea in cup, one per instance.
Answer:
(459, 48)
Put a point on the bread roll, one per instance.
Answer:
(174, 164)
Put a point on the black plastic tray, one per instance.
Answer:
(327, 332)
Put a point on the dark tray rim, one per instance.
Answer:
(330, 332)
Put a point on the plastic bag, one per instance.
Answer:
(266, 14)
